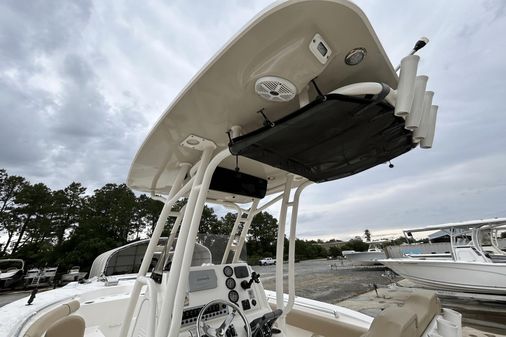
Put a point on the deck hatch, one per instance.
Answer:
(330, 138)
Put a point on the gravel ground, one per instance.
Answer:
(316, 280)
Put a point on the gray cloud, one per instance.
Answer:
(82, 82)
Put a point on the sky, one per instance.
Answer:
(82, 82)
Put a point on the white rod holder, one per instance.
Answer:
(421, 132)
(415, 117)
(426, 143)
(406, 86)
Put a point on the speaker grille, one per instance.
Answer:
(275, 89)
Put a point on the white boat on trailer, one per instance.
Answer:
(289, 89)
(368, 258)
(469, 267)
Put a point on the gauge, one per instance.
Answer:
(233, 296)
(230, 283)
(228, 271)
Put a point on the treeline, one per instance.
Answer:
(69, 227)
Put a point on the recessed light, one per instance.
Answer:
(355, 56)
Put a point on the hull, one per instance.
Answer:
(365, 258)
(485, 278)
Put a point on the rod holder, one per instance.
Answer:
(415, 116)
(406, 86)
(426, 143)
(421, 132)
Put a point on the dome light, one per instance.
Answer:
(355, 56)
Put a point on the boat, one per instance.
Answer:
(470, 267)
(303, 94)
(73, 275)
(370, 257)
(11, 273)
(36, 277)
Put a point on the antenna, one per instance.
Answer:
(418, 45)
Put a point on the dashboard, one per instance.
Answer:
(235, 282)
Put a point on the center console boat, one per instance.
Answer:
(303, 94)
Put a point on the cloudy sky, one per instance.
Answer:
(82, 82)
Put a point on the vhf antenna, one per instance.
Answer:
(418, 45)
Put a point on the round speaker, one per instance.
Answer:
(275, 89)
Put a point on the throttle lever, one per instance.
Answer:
(254, 278)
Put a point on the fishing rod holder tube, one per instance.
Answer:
(406, 85)
(415, 116)
(426, 143)
(426, 122)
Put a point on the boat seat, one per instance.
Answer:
(409, 320)
(322, 326)
(70, 326)
(393, 322)
(43, 323)
(425, 305)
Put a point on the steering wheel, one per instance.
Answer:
(222, 329)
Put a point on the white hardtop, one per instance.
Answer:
(463, 225)
(222, 94)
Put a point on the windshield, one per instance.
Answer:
(209, 249)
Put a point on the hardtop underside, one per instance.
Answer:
(333, 137)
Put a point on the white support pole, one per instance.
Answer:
(291, 249)
(232, 236)
(151, 295)
(244, 232)
(269, 204)
(281, 243)
(173, 232)
(186, 255)
(162, 329)
(452, 243)
(155, 237)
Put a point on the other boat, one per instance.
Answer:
(368, 258)
(468, 268)
(36, 277)
(11, 273)
(73, 275)
(303, 94)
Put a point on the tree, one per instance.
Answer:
(34, 203)
(367, 235)
(263, 235)
(9, 188)
(111, 210)
(66, 209)
(147, 212)
(335, 251)
(355, 244)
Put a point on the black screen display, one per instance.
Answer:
(241, 271)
